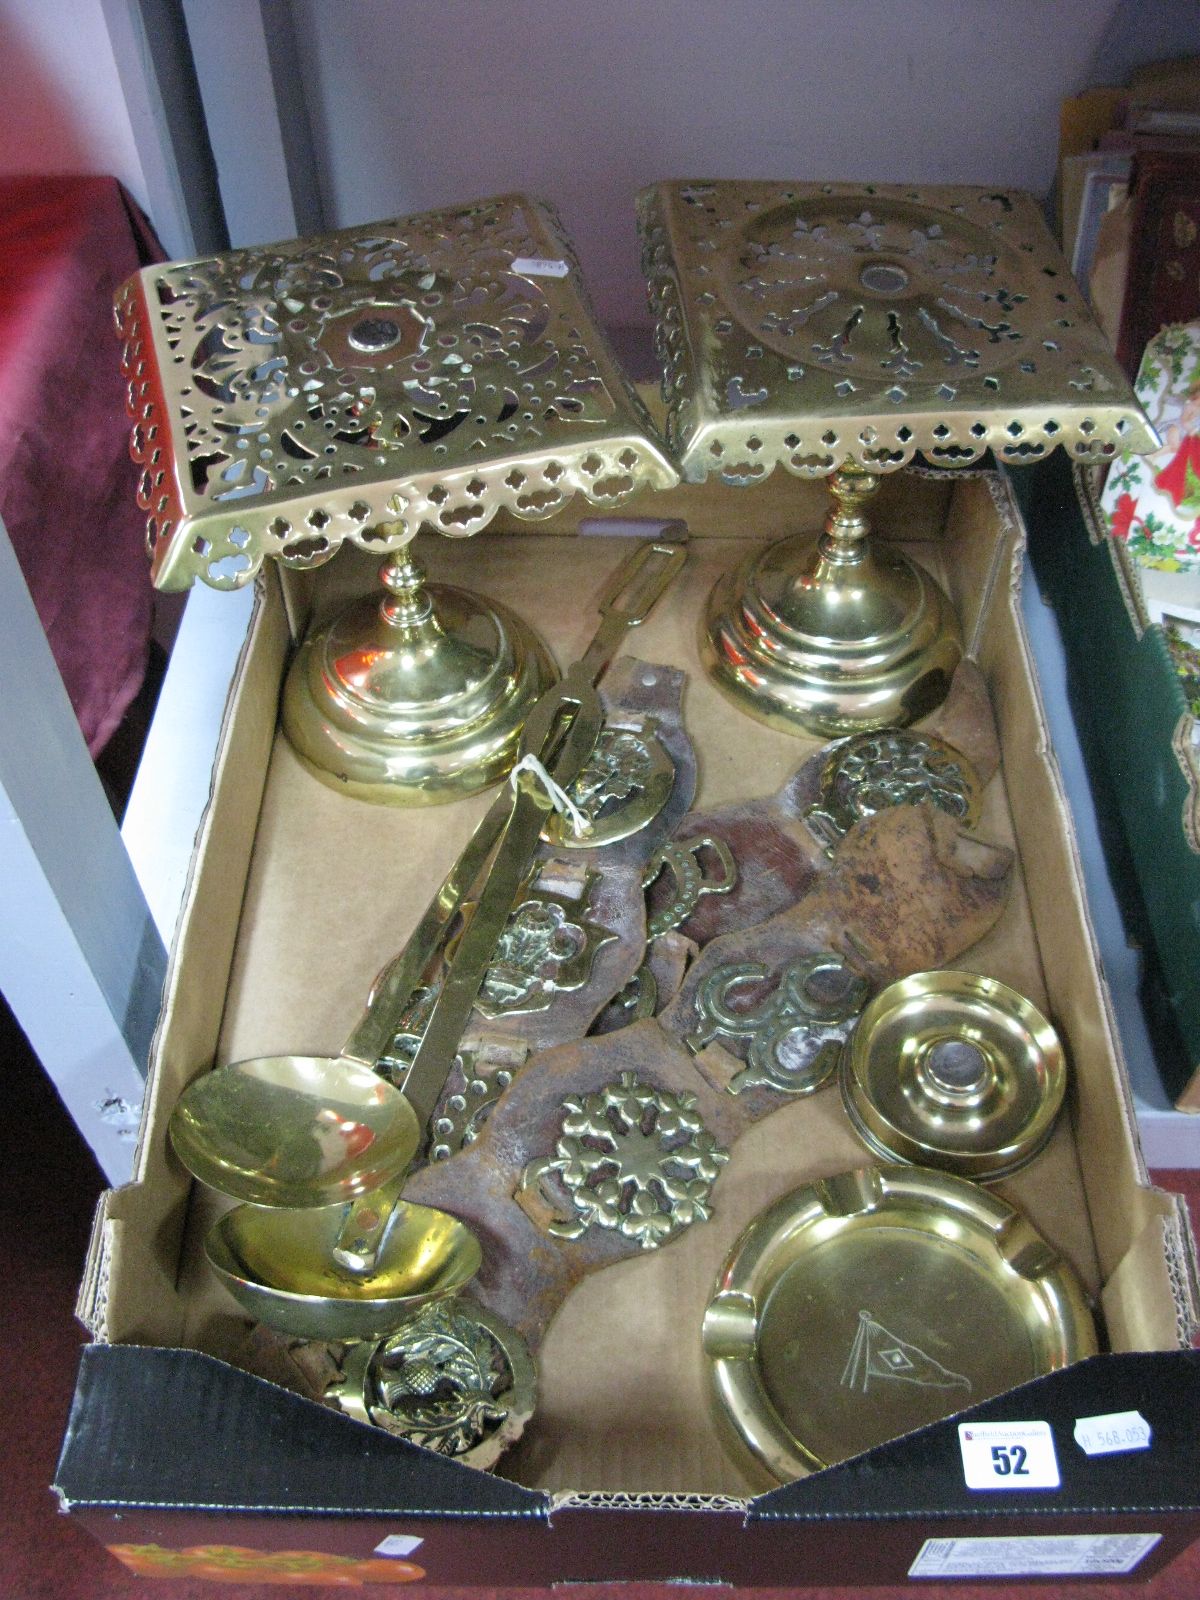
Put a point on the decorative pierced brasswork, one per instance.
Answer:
(635, 1159)
(548, 946)
(478, 1078)
(816, 324)
(891, 767)
(638, 999)
(793, 1037)
(460, 1119)
(620, 766)
(451, 1379)
(685, 863)
(410, 1030)
(625, 783)
(428, 370)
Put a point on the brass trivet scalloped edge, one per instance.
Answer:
(775, 351)
(430, 370)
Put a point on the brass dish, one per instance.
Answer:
(954, 1070)
(839, 330)
(281, 1268)
(867, 1305)
(294, 1130)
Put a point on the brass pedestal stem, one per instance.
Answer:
(418, 698)
(408, 604)
(833, 634)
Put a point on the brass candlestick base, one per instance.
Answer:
(416, 699)
(833, 634)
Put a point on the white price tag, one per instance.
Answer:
(1008, 1455)
(398, 1544)
(1046, 1555)
(1113, 1432)
(540, 267)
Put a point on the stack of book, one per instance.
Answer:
(1129, 201)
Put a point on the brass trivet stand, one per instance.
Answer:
(426, 371)
(840, 330)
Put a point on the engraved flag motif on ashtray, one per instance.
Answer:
(879, 1355)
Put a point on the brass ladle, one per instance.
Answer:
(247, 1246)
(304, 1131)
(359, 1275)
(301, 1131)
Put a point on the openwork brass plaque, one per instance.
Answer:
(428, 370)
(632, 1158)
(818, 324)
(453, 1378)
(891, 767)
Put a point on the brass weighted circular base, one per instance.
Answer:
(417, 699)
(832, 634)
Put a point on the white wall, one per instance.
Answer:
(63, 109)
(417, 106)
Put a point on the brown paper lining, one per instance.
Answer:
(333, 885)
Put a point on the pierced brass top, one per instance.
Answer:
(818, 324)
(427, 370)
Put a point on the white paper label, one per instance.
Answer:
(1050, 1555)
(1008, 1455)
(540, 267)
(1113, 1432)
(398, 1544)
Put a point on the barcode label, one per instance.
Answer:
(1061, 1555)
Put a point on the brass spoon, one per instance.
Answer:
(298, 1131)
(305, 1131)
(360, 1275)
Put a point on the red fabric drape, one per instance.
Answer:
(66, 481)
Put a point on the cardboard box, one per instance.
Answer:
(298, 896)
(1137, 735)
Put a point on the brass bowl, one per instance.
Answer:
(954, 1070)
(865, 1306)
(280, 1268)
(294, 1131)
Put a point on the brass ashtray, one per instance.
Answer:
(281, 1269)
(954, 1070)
(862, 1307)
